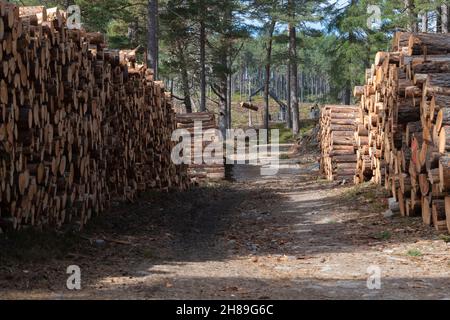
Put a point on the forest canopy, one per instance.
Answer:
(299, 50)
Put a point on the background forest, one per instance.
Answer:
(215, 53)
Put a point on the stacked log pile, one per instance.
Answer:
(338, 143)
(202, 128)
(405, 112)
(80, 126)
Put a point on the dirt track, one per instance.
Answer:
(291, 236)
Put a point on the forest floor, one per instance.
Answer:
(290, 236)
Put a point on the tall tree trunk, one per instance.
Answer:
(202, 66)
(412, 19)
(294, 75)
(424, 22)
(153, 46)
(347, 98)
(229, 95)
(439, 20)
(348, 93)
(223, 90)
(184, 78)
(267, 77)
(302, 86)
(444, 18)
(289, 110)
(241, 77)
(223, 122)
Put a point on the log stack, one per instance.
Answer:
(338, 143)
(203, 130)
(405, 111)
(80, 126)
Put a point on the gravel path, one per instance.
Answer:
(290, 236)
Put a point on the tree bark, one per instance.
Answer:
(153, 46)
(185, 80)
(439, 20)
(267, 77)
(223, 123)
(444, 18)
(202, 66)
(294, 71)
(412, 20)
(229, 90)
(289, 110)
(348, 93)
(302, 87)
(294, 83)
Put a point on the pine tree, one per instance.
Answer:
(153, 42)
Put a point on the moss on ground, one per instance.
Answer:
(369, 195)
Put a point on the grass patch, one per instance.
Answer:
(306, 126)
(286, 135)
(385, 236)
(445, 238)
(368, 196)
(414, 253)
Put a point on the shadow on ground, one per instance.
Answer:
(217, 223)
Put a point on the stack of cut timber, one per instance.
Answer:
(338, 143)
(79, 125)
(202, 127)
(405, 110)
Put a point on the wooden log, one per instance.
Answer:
(424, 184)
(444, 173)
(427, 211)
(444, 139)
(439, 216)
(79, 125)
(407, 111)
(447, 211)
(437, 84)
(358, 91)
(39, 11)
(443, 119)
(427, 67)
(249, 106)
(428, 44)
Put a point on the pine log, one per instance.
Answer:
(249, 106)
(439, 215)
(444, 139)
(428, 44)
(437, 84)
(447, 212)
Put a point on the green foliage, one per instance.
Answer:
(353, 45)
(334, 42)
(116, 31)
(445, 238)
(385, 235)
(415, 253)
(286, 135)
